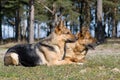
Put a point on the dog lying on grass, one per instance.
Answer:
(77, 50)
(49, 51)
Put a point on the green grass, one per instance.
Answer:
(97, 67)
(103, 64)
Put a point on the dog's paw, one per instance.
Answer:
(80, 63)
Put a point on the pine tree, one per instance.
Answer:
(0, 25)
(13, 10)
(100, 28)
(111, 12)
(56, 9)
(31, 22)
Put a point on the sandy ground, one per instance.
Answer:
(103, 49)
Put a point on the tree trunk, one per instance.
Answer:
(38, 31)
(114, 30)
(81, 12)
(31, 22)
(99, 29)
(17, 26)
(23, 34)
(0, 26)
(0, 29)
(87, 11)
(109, 27)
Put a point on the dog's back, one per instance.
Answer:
(48, 51)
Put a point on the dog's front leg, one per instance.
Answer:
(60, 62)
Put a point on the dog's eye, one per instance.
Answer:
(67, 32)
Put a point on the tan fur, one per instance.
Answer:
(58, 39)
(76, 51)
(48, 57)
(11, 59)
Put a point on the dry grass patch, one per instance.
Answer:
(102, 64)
(99, 67)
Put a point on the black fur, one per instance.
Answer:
(47, 46)
(27, 53)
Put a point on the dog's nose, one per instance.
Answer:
(97, 43)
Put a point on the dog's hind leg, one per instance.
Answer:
(11, 59)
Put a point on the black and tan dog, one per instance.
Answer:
(48, 51)
(77, 51)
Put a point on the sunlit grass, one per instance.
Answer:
(97, 67)
(101, 65)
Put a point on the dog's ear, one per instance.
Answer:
(79, 35)
(59, 27)
(84, 30)
(61, 24)
(58, 30)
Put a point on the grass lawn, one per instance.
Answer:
(99, 66)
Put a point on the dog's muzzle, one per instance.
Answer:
(91, 46)
(71, 40)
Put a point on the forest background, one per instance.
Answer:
(30, 20)
(27, 21)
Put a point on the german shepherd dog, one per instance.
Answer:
(77, 51)
(48, 51)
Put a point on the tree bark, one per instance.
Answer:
(17, 26)
(87, 11)
(38, 31)
(0, 29)
(114, 30)
(99, 32)
(81, 12)
(109, 27)
(0, 26)
(31, 22)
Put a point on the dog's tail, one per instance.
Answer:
(11, 59)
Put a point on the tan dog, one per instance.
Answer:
(77, 51)
(48, 51)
